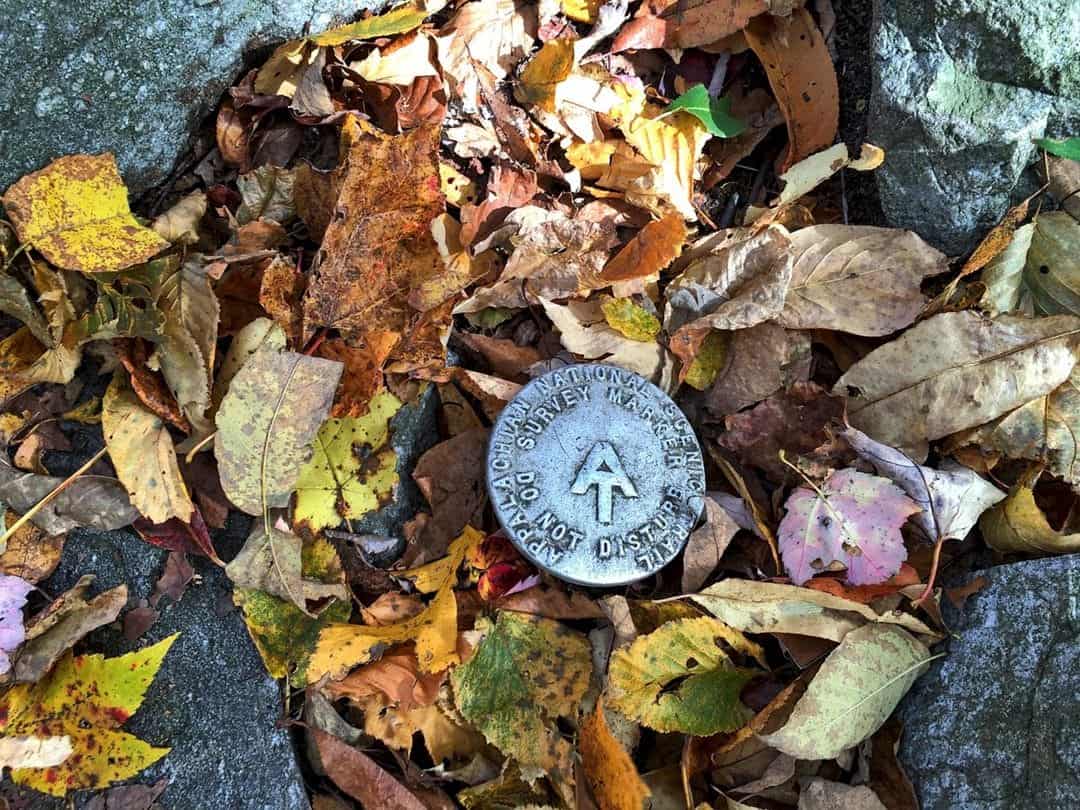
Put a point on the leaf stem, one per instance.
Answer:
(37, 507)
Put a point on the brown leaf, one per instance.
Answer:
(451, 477)
(615, 781)
(687, 24)
(654, 247)
(505, 357)
(175, 535)
(396, 676)
(802, 78)
(381, 247)
(233, 136)
(794, 421)
(280, 292)
(887, 777)
(551, 602)
(149, 386)
(706, 546)
(508, 188)
(316, 193)
(961, 593)
(396, 108)
(129, 797)
(359, 776)
(362, 378)
(31, 554)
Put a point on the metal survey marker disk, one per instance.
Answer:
(595, 474)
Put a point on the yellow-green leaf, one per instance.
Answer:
(142, 451)
(284, 635)
(75, 213)
(526, 673)
(709, 360)
(398, 21)
(86, 699)
(679, 678)
(630, 320)
(352, 469)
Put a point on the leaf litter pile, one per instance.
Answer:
(437, 204)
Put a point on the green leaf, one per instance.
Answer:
(1066, 147)
(267, 423)
(853, 693)
(527, 672)
(679, 678)
(352, 470)
(398, 21)
(714, 113)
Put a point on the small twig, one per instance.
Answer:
(933, 572)
(843, 196)
(199, 446)
(316, 341)
(37, 507)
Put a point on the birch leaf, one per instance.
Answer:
(853, 693)
(75, 213)
(267, 423)
(352, 470)
(142, 451)
(912, 390)
(678, 678)
(86, 699)
(853, 519)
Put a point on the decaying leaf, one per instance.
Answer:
(909, 391)
(142, 451)
(34, 752)
(679, 678)
(584, 330)
(853, 519)
(651, 250)
(267, 423)
(94, 501)
(526, 673)
(853, 693)
(75, 213)
(610, 771)
(359, 776)
(86, 699)
(352, 469)
(1018, 526)
(706, 546)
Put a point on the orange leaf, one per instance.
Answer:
(615, 782)
(802, 78)
(865, 594)
(656, 246)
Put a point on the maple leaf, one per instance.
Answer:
(13, 592)
(86, 698)
(853, 519)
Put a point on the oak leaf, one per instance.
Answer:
(75, 213)
(86, 699)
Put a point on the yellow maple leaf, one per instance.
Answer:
(541, 76)
(86, 698)
(75, 213)
(342, 647)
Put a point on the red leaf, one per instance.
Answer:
(175, 535)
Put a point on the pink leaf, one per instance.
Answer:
(855, 521)
(13, 591)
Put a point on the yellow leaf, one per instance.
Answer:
(709, 360)
(401, 66)
(352, 469)
(75, 213)
(630, 320)
(615, 782)
(18, 351)
(581, 10)
(1018, 525)
(457, 188)
(86, 699)
(549, 66)
(344, 646)
(142, 451)
(591, 159)
(398, 21)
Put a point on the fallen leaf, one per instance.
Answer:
(34, 752)
(373, 256)
(57, 628)
(94, 501)
(525, 674)
(679, 678)
(31, 553)
(13, 593)
(853, 693)
(280, 294)
(75, 213)
(396, 676)
(760, 361)
(810, 172)
(544, 71)
(583, 330)
(267, 424)
(795, 420)
(142, 451)
(801, 74)
(609, 770)
(706, 546)
(853, 519)
(15, 301)
(497, 34)
(908, 391)
(360, 777)
(630, 320)
(148, 385)
(821, 794)
(362, 376)
(86, 699)
(857, 279)
(180, 224)
(178, 536)
(651, 250)
(352, 470)
(689, 25)
(951, 499)
(769, 607)
(1003, 276)
(713, 112)
(1018, 526)
(267, 193)
(129, 797)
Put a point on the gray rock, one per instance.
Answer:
(130, 76)
(212, 700)
(961, 87)
(993, 726)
